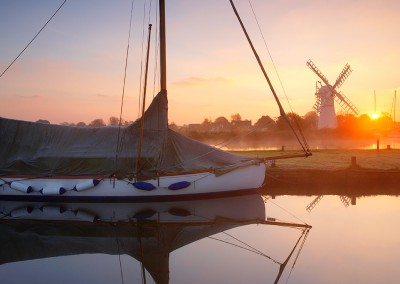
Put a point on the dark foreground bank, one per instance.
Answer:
(332, 181)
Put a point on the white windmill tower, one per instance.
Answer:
(327, 94)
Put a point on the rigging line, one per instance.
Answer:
(138, 161)
(142, 267)
(141, 61)
(155, 46)
(156, 49)
(123, 89)
(244, 248)
(290, 213)
(148, 17)
(4, 216)
(270, 56)
(119, 253)
(277, 74)
(32, 39)
(4, 182)
(307, 231)
(283, 266)
(140, 110)
(281, 110)
(251, 247)
(298, 253)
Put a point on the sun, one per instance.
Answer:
(374, 116)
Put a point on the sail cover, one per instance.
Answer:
(29, 148)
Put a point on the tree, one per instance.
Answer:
(347, 124)
(97, 123)
(67, 123)
(311, 120)
(113, 121)
(206, 125)
(173, 126)
(364, 122)
(236, 117)
(221, 123)
(294, 120)
(265, 122)
(81, 124)
(43, 121)
(384, 122)
(128, 122)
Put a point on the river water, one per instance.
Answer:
(207, 242)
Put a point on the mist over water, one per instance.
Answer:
(314, 144)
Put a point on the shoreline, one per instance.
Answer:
(349, 182)
(334, 172)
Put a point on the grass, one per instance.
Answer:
(335, 159)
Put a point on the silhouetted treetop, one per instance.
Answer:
(99, 122)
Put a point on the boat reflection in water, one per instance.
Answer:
(148, 232)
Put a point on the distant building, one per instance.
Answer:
(241, 124)
(194, 127)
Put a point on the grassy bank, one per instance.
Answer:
(335, 159)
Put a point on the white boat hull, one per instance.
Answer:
(199, 210)
(199, 184)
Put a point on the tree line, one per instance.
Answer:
(348, 125)
(98, 122)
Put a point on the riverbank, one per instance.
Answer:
(339, 172)
(334, 159)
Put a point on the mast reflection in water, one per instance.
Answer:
(201, 241)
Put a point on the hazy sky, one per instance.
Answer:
(74, 69)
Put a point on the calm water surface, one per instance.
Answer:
(347, 244)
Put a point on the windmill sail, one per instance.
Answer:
(314, 68)
(342, 76)
(327, 94)
(345, 103)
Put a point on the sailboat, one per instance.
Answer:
(145, 160)
(147, 232)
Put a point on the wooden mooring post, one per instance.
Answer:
(353, 162)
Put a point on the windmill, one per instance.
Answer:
(327, 94)
(345, 200)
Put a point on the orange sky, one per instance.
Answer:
(73, 71)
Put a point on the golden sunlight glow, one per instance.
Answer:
(374, 116)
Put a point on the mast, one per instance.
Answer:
(163, 59)
(281, 110)
(138, 161)
(394, 107)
